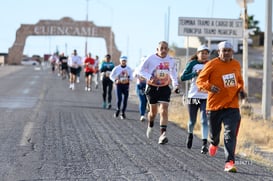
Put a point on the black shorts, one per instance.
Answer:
(64, 67)
(88, 73)
(158, 94)
(74, 71)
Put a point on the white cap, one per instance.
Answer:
(224, 44)
(123, 58)
(202, 47)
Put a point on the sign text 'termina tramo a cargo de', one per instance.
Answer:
(212, 27)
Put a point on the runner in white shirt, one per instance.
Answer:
(96, 73)
(159, 70)
(53, 59)
(121, 75)
(74, 62)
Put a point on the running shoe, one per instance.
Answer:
(163, 138)
(123, 116)
(204, 149)
(142, 118)
(73, 86)
(116, 114)
(104, 105)
(86, 88)
(189, 140)
(97, 86)
(89, 89)
(230, 167)
(212, 150)
(149, 132)
(109, 106)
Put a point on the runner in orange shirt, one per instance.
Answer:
(222, 78)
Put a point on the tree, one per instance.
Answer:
(251, 23)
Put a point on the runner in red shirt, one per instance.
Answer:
(89, 68)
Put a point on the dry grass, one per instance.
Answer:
(255, 136)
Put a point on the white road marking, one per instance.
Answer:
(26, 91)
(37, 68)
(32, 82)
(26, 133)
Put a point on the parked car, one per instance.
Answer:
(29, 62)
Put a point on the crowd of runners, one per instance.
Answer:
(71, 68)
(215, 90)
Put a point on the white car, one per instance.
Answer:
(29, 62)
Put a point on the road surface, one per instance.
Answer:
(49, 132)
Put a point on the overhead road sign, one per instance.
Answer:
(241, 2)
(212, 27)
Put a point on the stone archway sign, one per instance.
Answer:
(64, 27)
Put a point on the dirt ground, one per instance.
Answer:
(255, 79)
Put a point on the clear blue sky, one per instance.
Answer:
(138, 25)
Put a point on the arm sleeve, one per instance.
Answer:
(202, 79)
(102, 67)
(144, 71)
(187, 73)
(174, 76)
(69, 62)
(113, 65)
(112, 75)
(81, 60)
(240, 80)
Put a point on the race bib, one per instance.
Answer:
(229, 80)
(124, 80)
(162, 74)
(107, 73)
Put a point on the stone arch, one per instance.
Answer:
(64, 27)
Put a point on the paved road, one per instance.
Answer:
(49, 132)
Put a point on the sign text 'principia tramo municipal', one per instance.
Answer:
(210, 27)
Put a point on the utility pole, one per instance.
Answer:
(267, 69)
(243, 4)
(86, 44)
(245, 48)
(65, 48)
(167, 25)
